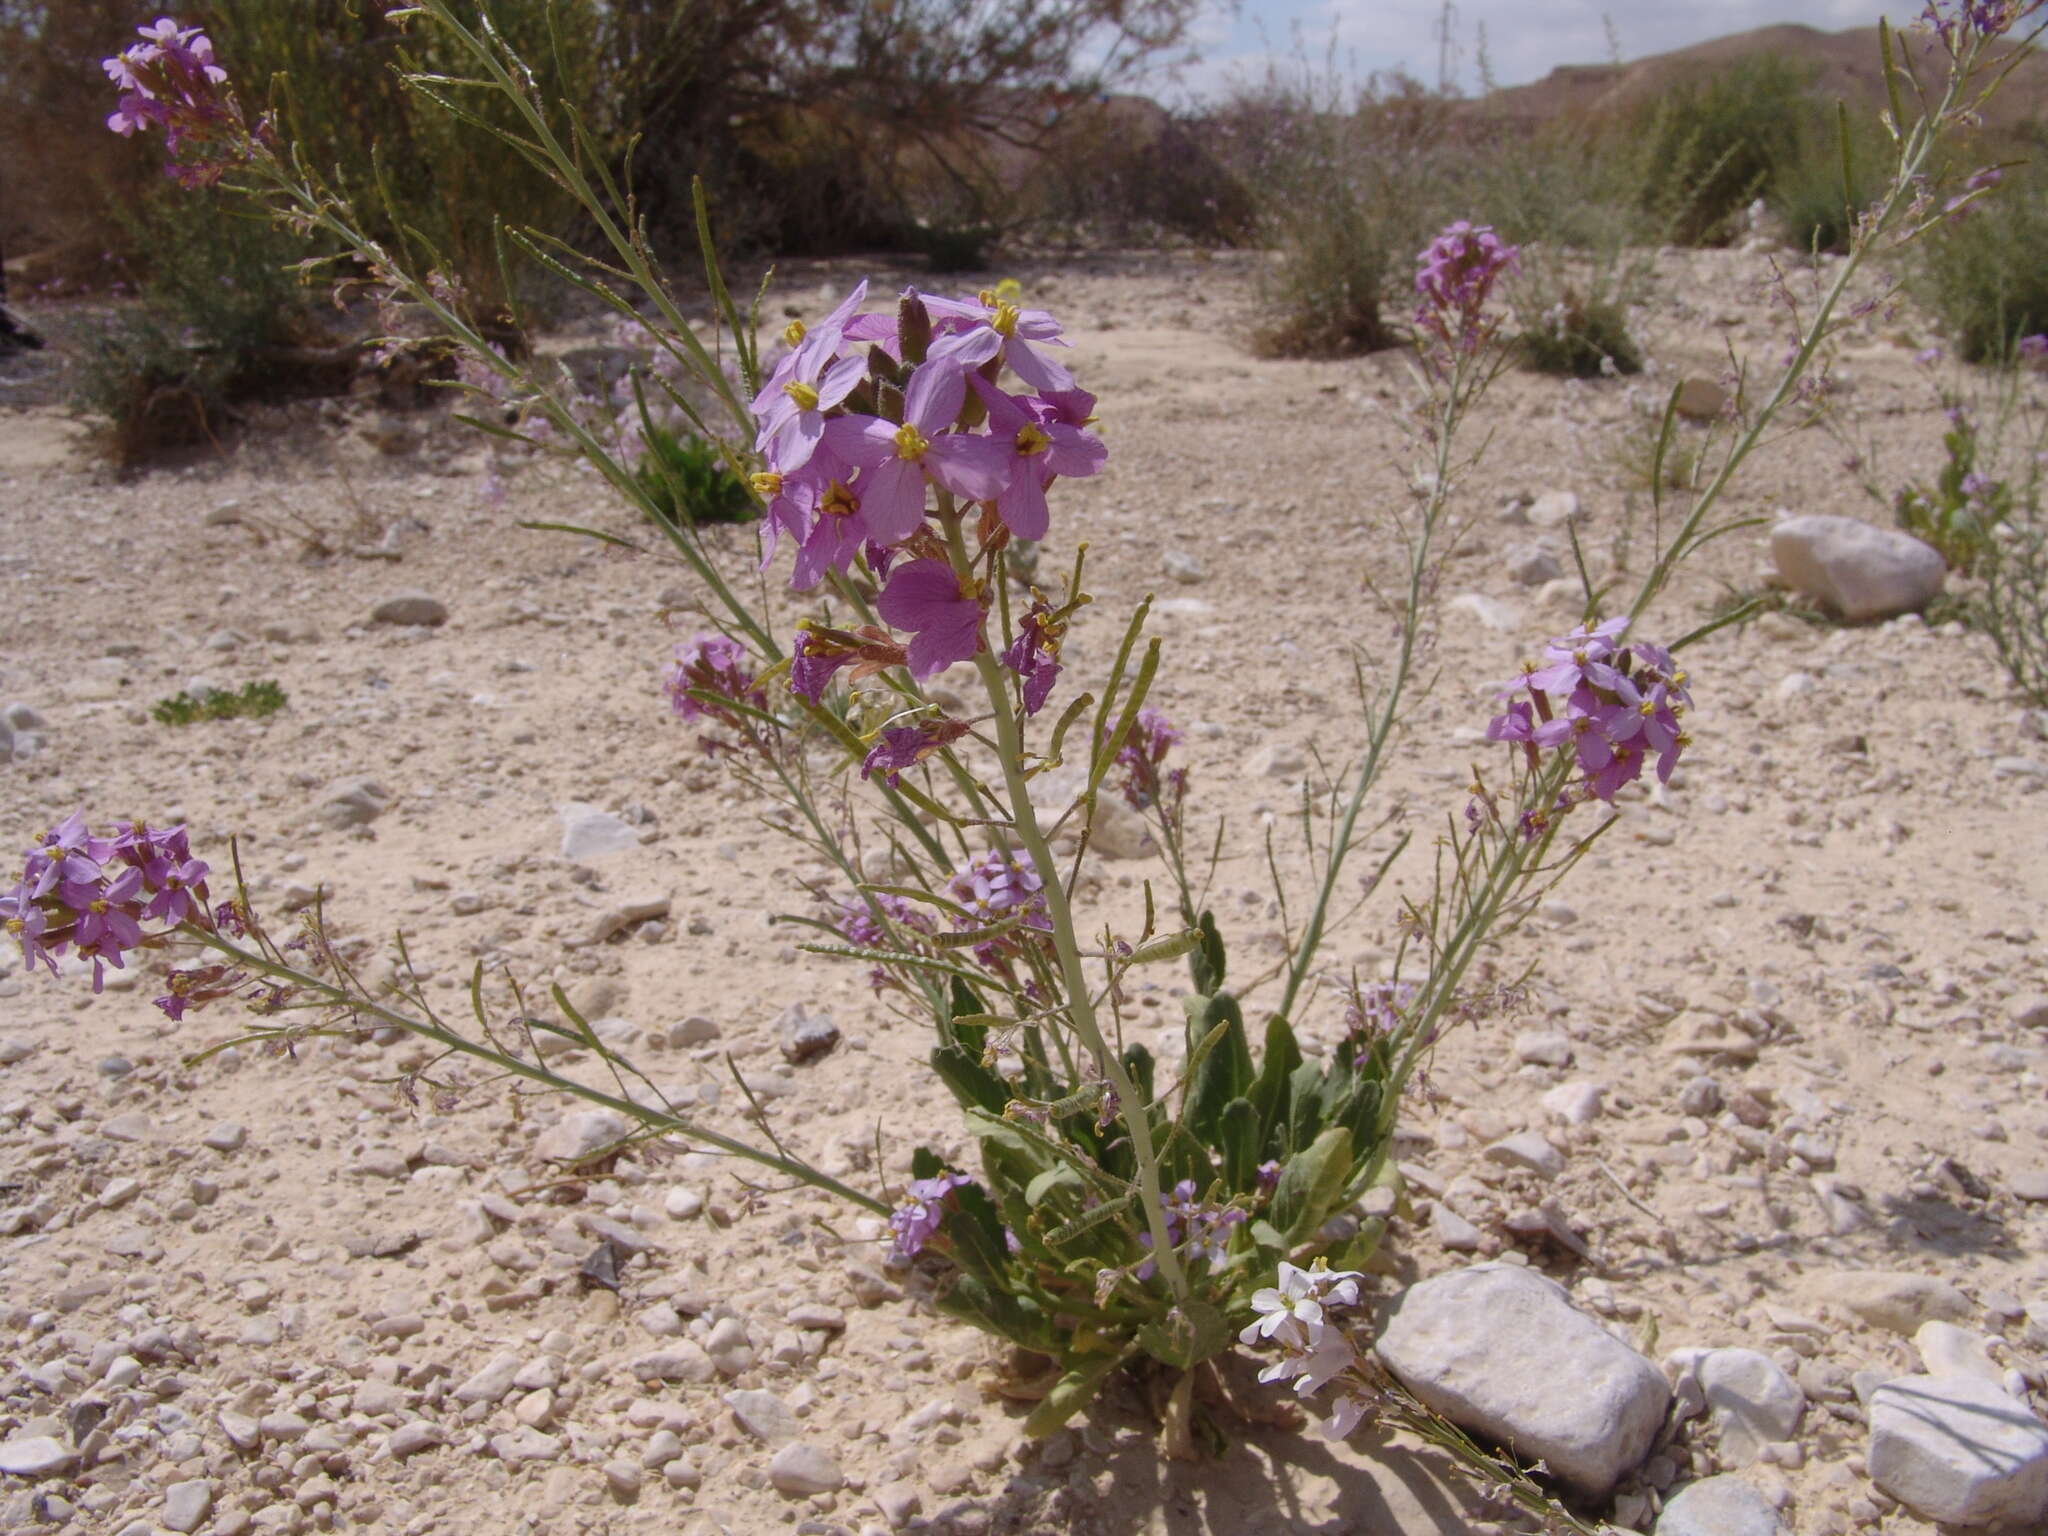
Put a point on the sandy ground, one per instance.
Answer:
(1832, 914)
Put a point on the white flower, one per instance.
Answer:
(1289, 1313)
(1343, 1419)
(1329, 1356)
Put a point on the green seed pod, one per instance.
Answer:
(1167, 947)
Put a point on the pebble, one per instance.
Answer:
(685, 1360)
(1543, 1048)
(1946, 1350)
(14, 1049)
(411, 1439)
(225, 1137)
(2031, 1011)
(1454, 1232)
(356, 802)
(2031, 1184)
(130, 1127)
(492, 1382)
(526, 1444)
(415, 608)
(1575, 1103)
(622, 1478)
(1718, 1506)
(805, 1036)
(1491, 612)
(589, 833)
(800, 1469)
(617, 917)
(1896, 1301)
(187, 1504)
(1275, 760)
(35, 1456)
(1501, 1350)
(763, 1415)
(1553, 509)
(1856, 569)
(580, 1135)
(1701, 400)
(1183, 567)
(1527, 1149)
(1753, 1402)
(1531, 565)
(1956, 1449)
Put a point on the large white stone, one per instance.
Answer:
(1855, 568)
(1718, 1506)
(1753, 1402)
(35, 1456)
(1501, 1351)
(1956, 1449)
(589, 833)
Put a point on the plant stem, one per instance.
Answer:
(338, 997)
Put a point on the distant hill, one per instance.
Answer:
(1845, 65)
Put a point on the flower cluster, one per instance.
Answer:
(170, 81)
(993, 887)
(1151, 737)
(1953, 21)
(898, 747)
(708, 678)
(918, 1215)
(1194, 1227)
(93, 895)
(1454, 279)
(1314, 1351)
(869, 417)
(1610, 706)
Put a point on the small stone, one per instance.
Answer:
(1183, 567)
(1958, 1450)
(35, 1456)
(763, 1415)
(492, 1382)
(1543, 1048)
(816, 1315)
(282, 1426)
(2031, 1184)
(346, 803)
(526, 1444)
(411, 1439)
(1753, 1402)
(1453, 1231)
(129, 1127)
(225, 1137)
(1718, 1506)
(187, 1504)
(414, 608)
(695, 1030)
(1946, 1350)
(14, 1049)
(1527, 1149)
(580, 1135)
(622, 1479)
(1490, 612)
(1575, 1103)
(1895, 1301)
(242, 1431)
(589, 833)
(1856, 569)
(1553, 509)
(2031, 1011)
(900, 1503)
(805, 1036)
(682, 1204)
(119, 1192)
(619, 916)
(1531, 565)
(1701, 400)
(685, 1360)
(1275, 760)
(801, 1469)
(1500, 1350)
(729, 1347)
(1701, 1096)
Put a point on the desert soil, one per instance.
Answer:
(1832, 914)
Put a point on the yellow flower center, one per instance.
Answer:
(911, 444)
(15, 925)
(767, 484)
(839, 502)
(1647, 708)
(1031, 440)
(99, 906)
(1005, 321)
(806, 398)
(793, 333)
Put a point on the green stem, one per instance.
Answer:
(338, 997)
(1135, 1113)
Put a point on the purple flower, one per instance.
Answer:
(1041, 447)
(26, 922)
(986, 327)
(1151, 737)
(1455, 277)
(791, 409)
(838, 530)
(944, 614)
(67, 853)
(2034, 348)
(897, 461)
(996, 885)
(1610, 708)
(1034, 655)
(905, 746)
(917, 1217)
(715, 665)
(1518, 724)
(822, 652)
(1580, 657)
(170, 81)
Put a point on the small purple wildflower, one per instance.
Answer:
(973, 332)
(898, 461)
(1041, 446)
(918, 1216)
(943, 614)
(1151, 737)
(710, 675)
(92, 895)
(1455, 278)
(1609, 706)
(1034, 654)
(905, 746)
(819, 653)
(169, 80)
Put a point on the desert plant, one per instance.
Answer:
(1834, 168)
(252, 701)
(687, 480)
(1715, 145)
(1565, 328)
(1960, 512)
(1978, 270)
(2012, 607)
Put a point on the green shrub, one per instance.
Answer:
(2012, 608)
(1982, 274)
(690, 482)
(1713, 146)
(1960, 513)
(1807, 189)
(1576, 323)
(252, 701)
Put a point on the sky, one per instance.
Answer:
(1525, 39)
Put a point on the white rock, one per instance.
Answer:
(187, 1504)
(1753, 1402)
(684, 1360)
(763, 1415)
(1956, 1449)
(1718, 1506)
(1491, 612)
(416, 608)
(1531, 565)
(526, 1444)
(1275, 760)
(1855, 568)
(1894, 1300)
(580, 1134)
(352, 803)
(589, 833)
(225, 1137)
(1553, 509)
(800, 1469)
(1182, 567)
(35, 1456)
(1500, 1350)
(1527, 1149)
(1453, 1231)
(1575, 1103)
(492, 1382)
(1543, 1048)
(1946, 1350)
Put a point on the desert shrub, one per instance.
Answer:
(1716, 144)
(252, 701)
(219, 315)
(1807, 189)
(1959, 514)
(2012, 608)
(688, 481)
(1982, 274)
(1571, 317)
